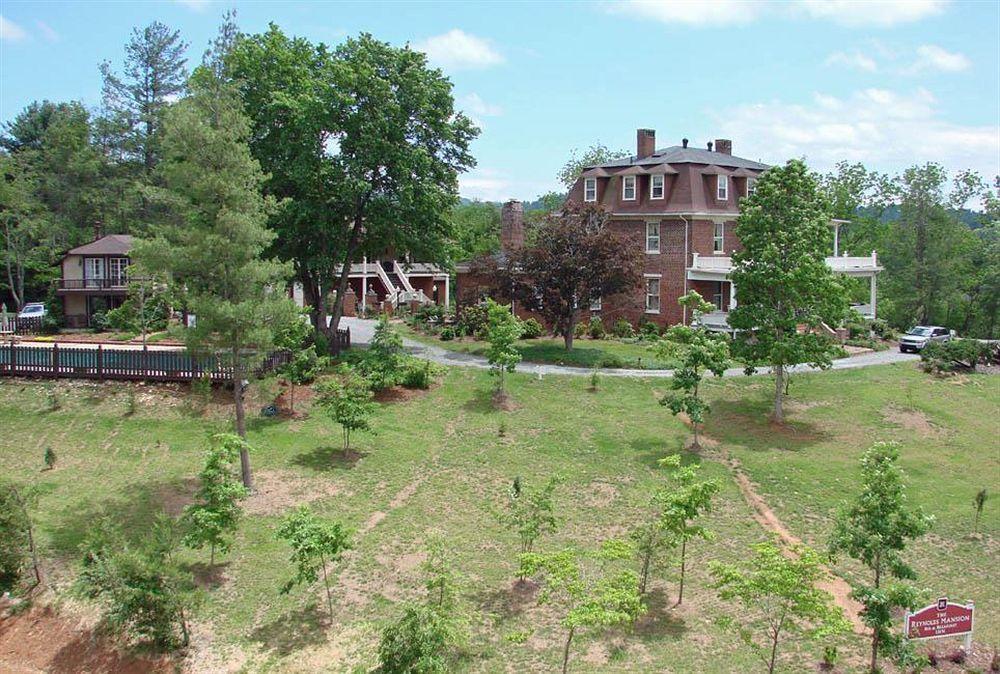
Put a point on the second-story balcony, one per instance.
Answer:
(114, 284)
(718, 267)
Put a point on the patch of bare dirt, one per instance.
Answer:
(278, 490)
(40, 640)
(294, 402)
(174, 498)
(400, 498)
(505, 403)
(600, 494)
(398, 394)
(597, 654)
(769, 521)
(803, 405)
(911, 420)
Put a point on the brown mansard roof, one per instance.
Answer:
(685, 155)
(112, 244)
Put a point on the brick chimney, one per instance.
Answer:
(723, 145)
(98, 229)
(645, 142)
(511, 226)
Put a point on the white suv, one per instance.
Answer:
(32, 310)
(922, 335)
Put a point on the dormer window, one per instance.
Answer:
(628, 188)
(722, 188)
(590, 189)
(656, 186)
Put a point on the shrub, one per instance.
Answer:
(384, 361)
(419, 641)
(418, 374)
(953, 356)
(596, 328)
(649, 329)
(473, 320)
(448, 333)
(622, 329)
(611, 360)
(429, 313)
(50, 458)
(580, 329)
(532, 329)
(50, 324)
(958, 656)
(99, 321)
(830, 657)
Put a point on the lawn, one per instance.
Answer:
(586, 352)
(436, 461)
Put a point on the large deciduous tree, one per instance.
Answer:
(365, 140)
(135, 100)
(786, 291)
(874, 530)
(576, 257)
(210, 245)
(594, 155)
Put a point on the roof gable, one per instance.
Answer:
(112, 244)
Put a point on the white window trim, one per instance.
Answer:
(649, 250)
(750, 181)
(595, 304)
(646, 278)
(721, 239)
(586, 182)
(663, 186)
(635, 188)
(722, 188)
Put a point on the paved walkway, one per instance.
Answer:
(363, 329)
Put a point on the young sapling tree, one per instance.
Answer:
(874, 530)
(779, 592)
(681, 506)
(503, 329)
(702, 352)
(213, 517)
(50, 458)
(979, 502)
(17, 538)
(348, 400)
(528, 513)
(594, 590)
(314, 543)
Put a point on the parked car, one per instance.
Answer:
(917, 338)
(32, 310)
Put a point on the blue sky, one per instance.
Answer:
(886, 83)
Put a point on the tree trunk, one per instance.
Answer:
(774, 653)
(647, 558)
(569, 640)
(569, 330)
(241, 423)
(345, 270)
(211, 557)
(873, 664)
(185, 636)
(779, 392)
(326, 582)
(694, 427)
(680, 591)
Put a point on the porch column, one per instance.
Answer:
(871, 299)
(447, 303)
(732, 295)
(364, 285)
(836, 239)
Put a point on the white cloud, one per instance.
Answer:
(932, 57)
(10, 31)
(691, 12)
(458, 50)
(881, 13)
(485, 184)
(196, 5)
(854, 59)
(871, 12)
(47, 31)
(475, 105)
(884, 129)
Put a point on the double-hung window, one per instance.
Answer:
(590, 189)
(652, 237)
(722, 188)
(719, 238)
(656, 189)
(751, 186)
(628, 188)
(595, 303)
(652, 294)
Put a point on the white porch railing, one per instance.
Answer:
(393, 293)
(402, 277)
(715, 320)
(861, 265)
(712, 262)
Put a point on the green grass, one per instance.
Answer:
(586, 352)
(436, 460)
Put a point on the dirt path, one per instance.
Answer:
(765, 517)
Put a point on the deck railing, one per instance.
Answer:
(119, 283)
(82, 362)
